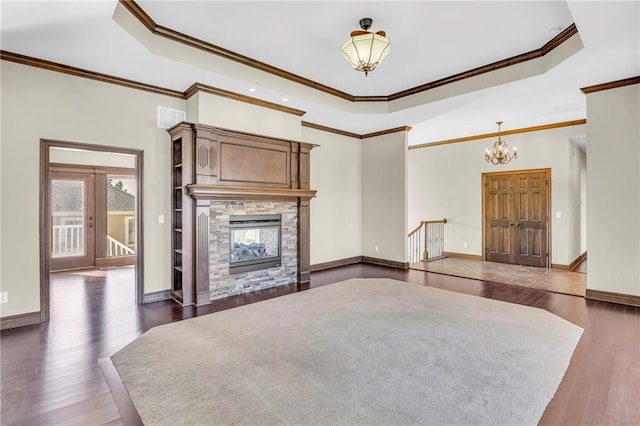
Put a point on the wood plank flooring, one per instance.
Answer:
(50, 373)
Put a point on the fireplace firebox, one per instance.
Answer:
(254, 242)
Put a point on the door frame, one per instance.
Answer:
(487, 175)
(45, 216)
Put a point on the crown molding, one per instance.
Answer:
(199, 87)
(502, 133)
(105, 78)
(514, 60)
(79, 72)
(330, 130)
(179, 37)
(355, 135)
(171, 34)
(387, 132)
(611, 85)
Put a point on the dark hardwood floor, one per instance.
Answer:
(50, 372)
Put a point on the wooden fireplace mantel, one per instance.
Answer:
(226, 192)
(209, 163)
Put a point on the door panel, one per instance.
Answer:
(72, 219)
(498, 205)
(516, 217)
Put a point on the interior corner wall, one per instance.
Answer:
(613, 177)
(245, 117)
(445, 181)
(336, 173)
(39, 104)
(577, 201)
(384, 197)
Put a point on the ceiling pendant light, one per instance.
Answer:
(500, 154)
(365, 50)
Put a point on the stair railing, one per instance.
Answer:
(426, 241)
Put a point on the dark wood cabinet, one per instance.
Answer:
(210, 163)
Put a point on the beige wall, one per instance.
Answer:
(577, 201)
(445, 182)
(214, 110)
(613, 190)
(56, 106)
(42, 104)
(384, 197)
(336, 173)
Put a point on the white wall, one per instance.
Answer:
(336, 173)
(42, 104)
(384, 197)
(445, 182)
(613, 228)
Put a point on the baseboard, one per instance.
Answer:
(462, 255)
(607, 296)
(574, 265)
(20, 320)
(335, 263)
(385, 262)
(156, 296)
(559, 266)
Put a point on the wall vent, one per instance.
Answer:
(170, 117)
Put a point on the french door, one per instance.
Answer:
(72, 220)
(516, 217)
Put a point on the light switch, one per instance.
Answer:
(558, 215)
(161, 218)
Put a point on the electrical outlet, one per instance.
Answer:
(465, 244)
(376, 248)
(161, 218)
(4, 297)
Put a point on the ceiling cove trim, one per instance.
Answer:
(565, 35)
(355, 135)
(387, 132)
(151, 25)
(330, 130)
(611, 85)
(199, 87)
(171, 34)
(503, 133)
(79, 72)
(105, 78)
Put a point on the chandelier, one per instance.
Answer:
(365, 50)
(500, 154)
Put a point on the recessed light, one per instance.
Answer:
(252, 89)
(285, 99)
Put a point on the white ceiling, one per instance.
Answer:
(430, 40)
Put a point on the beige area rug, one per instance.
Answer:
(362, 351)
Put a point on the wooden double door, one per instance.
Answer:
(516, 217)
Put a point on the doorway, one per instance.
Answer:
(75, 212)
(516, 211)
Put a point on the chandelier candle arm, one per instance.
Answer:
(500, 154)
(365, 50)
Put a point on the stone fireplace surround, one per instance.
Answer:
(224, 173)
(222, 283)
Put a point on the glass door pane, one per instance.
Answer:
(68, 218)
